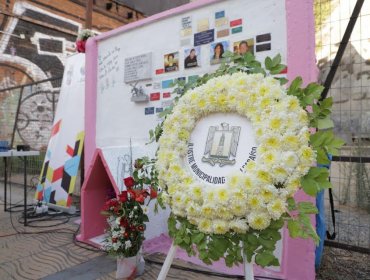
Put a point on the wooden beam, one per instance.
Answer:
(88, 14)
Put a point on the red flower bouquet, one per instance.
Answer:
(127, 214)
(82, 38)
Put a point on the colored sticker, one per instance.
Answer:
(263, 47)
(236, 22)
(219, 14)
(158, 110)
(221, 22)
(155, 96)
(186, 32)
(223, 33)
(167, 103)
(167, 84)
(237, 30)
(159, 71)
(166, 94)
(203, 25)
(156, 85)
(149, 110)
(204, 37)
(263, 38)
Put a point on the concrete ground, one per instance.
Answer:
(46, 250)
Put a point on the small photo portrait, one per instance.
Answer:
(244, 46)
(217, 51)
(171, 62)
(192, 57)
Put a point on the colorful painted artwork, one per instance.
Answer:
(63, 156)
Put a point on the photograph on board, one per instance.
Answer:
(217, 51)
(171, 62)
(192, 57)
(244, 46)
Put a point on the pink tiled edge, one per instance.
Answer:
(298, 255)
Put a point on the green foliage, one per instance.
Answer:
(229, 246)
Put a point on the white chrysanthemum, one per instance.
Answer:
(258, 220)
(205, 225)
(239, 225)
(270, 158)
(222, 195)
(196, 192)
(276, 208)
(255, 202)
(220, 227)
(239, 208)
(290, 159)
(280, 174)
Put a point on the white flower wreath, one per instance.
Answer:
(251, 199)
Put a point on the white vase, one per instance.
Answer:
(127, 267)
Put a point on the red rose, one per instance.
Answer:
(114, 239)
(126, 235)
(140, 198)
(123, 196)
(123, 222)
(153, 193)
(112, 203)
(132, 194)
(129, 182)
(81, 46)
(141, 228)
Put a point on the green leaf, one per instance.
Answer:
(276, 60)
(229, 260)
(252, 239)
(296, 84)
(268, 63)
(264, 259)
(268, 244)
(221, 243)
(291, 204)
(198, 238)
(314, 90)
(278, 224)
(282, 80)
(309, 186)
(294, 228)
(307, 208)
(325, 123)
(277, 69)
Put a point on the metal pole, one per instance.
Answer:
(16, 117)
(88, 14)
(5, 181)
(25, 189)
